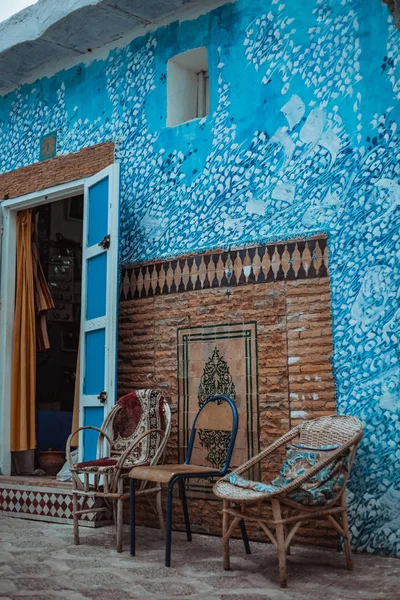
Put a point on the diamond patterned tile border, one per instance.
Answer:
(45, 504)
(296, 259)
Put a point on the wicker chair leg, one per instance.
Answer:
(288, 548)
(160, 511)
(120, 515)
(225, 538)
(280, 541)
(345, 526)
(74, 511)
(132, 517)
(114, 512)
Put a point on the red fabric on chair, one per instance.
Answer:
(127, 419)
(99, 462)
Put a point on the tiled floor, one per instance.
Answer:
(40, 562)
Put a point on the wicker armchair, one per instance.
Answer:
(135, 432)
(310, 486)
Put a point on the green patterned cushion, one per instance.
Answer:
(248, 484)
(317, 490)
(320, 488)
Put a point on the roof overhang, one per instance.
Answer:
(54, 34)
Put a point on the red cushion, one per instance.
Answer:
(100, 462)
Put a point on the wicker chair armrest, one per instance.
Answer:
(128, 450)
(68, 445)
(264, 453)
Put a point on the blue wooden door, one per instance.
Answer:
(98, 345)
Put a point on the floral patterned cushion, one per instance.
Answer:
(322, 487)
(257, 486)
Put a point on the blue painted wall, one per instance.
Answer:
(302, 138)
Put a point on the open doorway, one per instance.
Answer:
(58, 228)
(81, 243)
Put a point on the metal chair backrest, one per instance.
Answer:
(216, 423)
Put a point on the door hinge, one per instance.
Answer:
(105, 242)
(102, 397)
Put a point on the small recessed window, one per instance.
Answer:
(188, 87)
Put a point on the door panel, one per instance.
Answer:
(95, 342)
(99, 304)
(97, 291)
(93, 416)
(97, 206)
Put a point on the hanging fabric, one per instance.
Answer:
(23, 374)
(43, 298)
(32, 300)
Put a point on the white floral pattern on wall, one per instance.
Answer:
(302, 138)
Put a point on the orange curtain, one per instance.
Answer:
(23, 375)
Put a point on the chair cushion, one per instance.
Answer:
(248, 484)
(317, 490)
(322, 487)
(100, 465)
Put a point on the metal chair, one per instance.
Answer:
(218, 413)
(137, 430)
(311, 485)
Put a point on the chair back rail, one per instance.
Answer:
(218, 413)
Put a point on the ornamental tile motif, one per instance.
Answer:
(208, 364)
(216, 379)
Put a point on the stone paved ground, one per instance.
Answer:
(39, 561)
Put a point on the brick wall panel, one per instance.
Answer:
(56, 171)
(293, 320)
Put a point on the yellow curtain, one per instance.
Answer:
(23, 379)
(75, 414)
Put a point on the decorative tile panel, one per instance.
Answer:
(51, 504)
(217, 359)
(296, 259)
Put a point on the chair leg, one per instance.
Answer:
(160, 511)
(245, 537)
(120, 515)
(185, 509)
(74, 511)
(132, 516)
(169, 526)
(346, 538)
(225, 538)
(288, 548)
(280, 541)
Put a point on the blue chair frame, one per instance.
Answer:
(179, 478)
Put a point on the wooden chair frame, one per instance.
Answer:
(275, 513)
(110, 485)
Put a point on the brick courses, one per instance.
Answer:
(56, 171)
